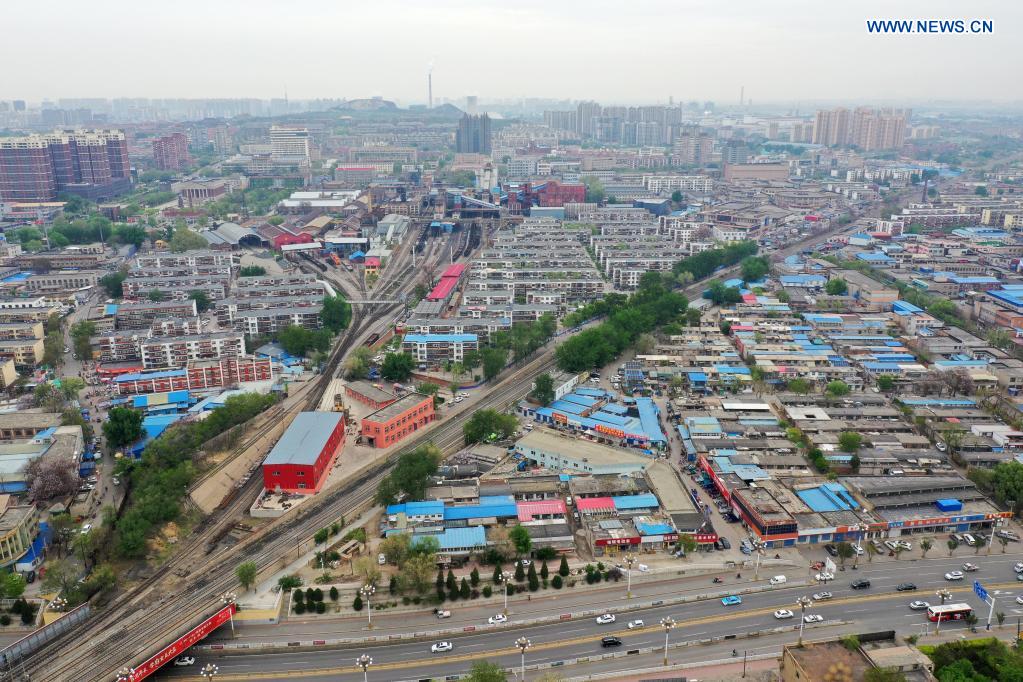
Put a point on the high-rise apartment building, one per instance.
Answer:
(473, 136)
(586, 112)
(89, 163)
(865, 127)
(561, 120)
(289, 143)
(692, 148)
(171, 152)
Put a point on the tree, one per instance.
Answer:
(357, 602)
(845, 551)
(474, 577)
(202, 300)
(645, 344)
(754, 268)
(979, 542)
(336, 314)
(396, 548)
(1000, 617)
(252, 271)
(871, 551)
(53, 349)
(156, 296)
(494, 360)
(836, 286)
(410, 475)
(113, 283)
(801, 386)
(999, 338)
(837, 389)
(925, 546)
(1004, 542)
(885, 382)
(357, 363)
(485, 671)
(464, 592)
(952, 545)
(688, 543)
(12, 585)
(123, 426)
(367, 569)
(489, 425)
(275, 220)
(397, 366)
(1007, 484)
(50, 477)
(543, 389)
(521, 539)
(520, 572)
(980, 191)
(594, 189)
(850, 441)
(246, 573)
(81, 339)
(676, 197)
(534, 581)
(563, 569)
(62, 577)
(185, 239)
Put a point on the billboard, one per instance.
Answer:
(178, 647)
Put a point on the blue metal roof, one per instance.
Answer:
(151, 375)
(563, 406)
(643, 501)
(653, 528)
(424, 508)
(502, 509)
(648, 412)
(457, 538)
(828, 498)
(305, 438)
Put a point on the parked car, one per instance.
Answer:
(440, 647)
(606, 618)
(381, 559)
(831, 549)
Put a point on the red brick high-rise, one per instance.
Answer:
(90, 163)
(171, 152)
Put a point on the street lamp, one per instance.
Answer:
(364, 662)
(667, 623)
(227, 599)
(991, 540)
(803, 603)
(58, 604)
(125, 674)
(522, 643)
(629, 561)
(505, 577)
(943, 595)
(367, 591)
(209, 671)
(758, 547)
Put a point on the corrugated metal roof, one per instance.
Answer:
(457, 538)
(528, 509)
(305, 438)
(641, 501)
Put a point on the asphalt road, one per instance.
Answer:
(878, 606)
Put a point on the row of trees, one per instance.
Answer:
(410, 475)
(488, 426)
(167, 469)
(652, 305)
(703, 264)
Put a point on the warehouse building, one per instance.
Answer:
(392, 423)
(302, 458)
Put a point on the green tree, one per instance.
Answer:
(520, 572)
(113, 283)
(676, 197)
(202, 300)
(754, 268)
(925, 546)
(801, 386)
(837, 389)
(520, 537)
(885, 382)
(397, 366)
(474, 577)
(81, 338)
(123, 426)
(531, 577)
(594, 189)
(336, 313)
(156, 296)
(836, 286)
(563, 569)
(980, 191)
(952, 545)
(485, 671)
(12, 585)
(463, 589)
(489, 425)
(410, 475)
(185, 239)
(1007, 484)
(357, 363)
(252, 271)
(849, 441)
(845, 551)
(299, 341)
(246, 573)
(53, 349)
(494, 360)
(396, 548)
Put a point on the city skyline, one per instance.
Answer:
(801, 56)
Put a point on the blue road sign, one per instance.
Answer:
(979, 590)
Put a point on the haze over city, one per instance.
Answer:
(640, 52)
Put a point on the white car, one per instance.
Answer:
(778, 580)
(969, 568)
(441, 647)
(908, 546)
(858, 550)
(633, 624)
(1018, 567)
(813, 618)
(821, 596)
(919, 605)
(954, 575)
(184, 660)
(525, 562)
(782, 614)
(498, 619)
(821, 577)
(458, 399)
(86, 528)
(463, 394)
(606, 618)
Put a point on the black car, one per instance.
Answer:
(831, 549)
(725, 544)
(860, 584)
(610, 641)
(905, 587)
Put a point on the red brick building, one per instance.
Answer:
(292, 238)
(197, 376)
(302, 458)
(171, 152)
(403, 417)
(369, 394)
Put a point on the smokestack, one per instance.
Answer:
(429, 87)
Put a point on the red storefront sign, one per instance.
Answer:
(617, 433)
(560, 418)
(172, 651)
(607, 542)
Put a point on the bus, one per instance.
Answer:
(948, 612)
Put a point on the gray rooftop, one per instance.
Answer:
(304, 439)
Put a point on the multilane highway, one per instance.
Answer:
(878, 607)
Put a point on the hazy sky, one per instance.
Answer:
(613, 51)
